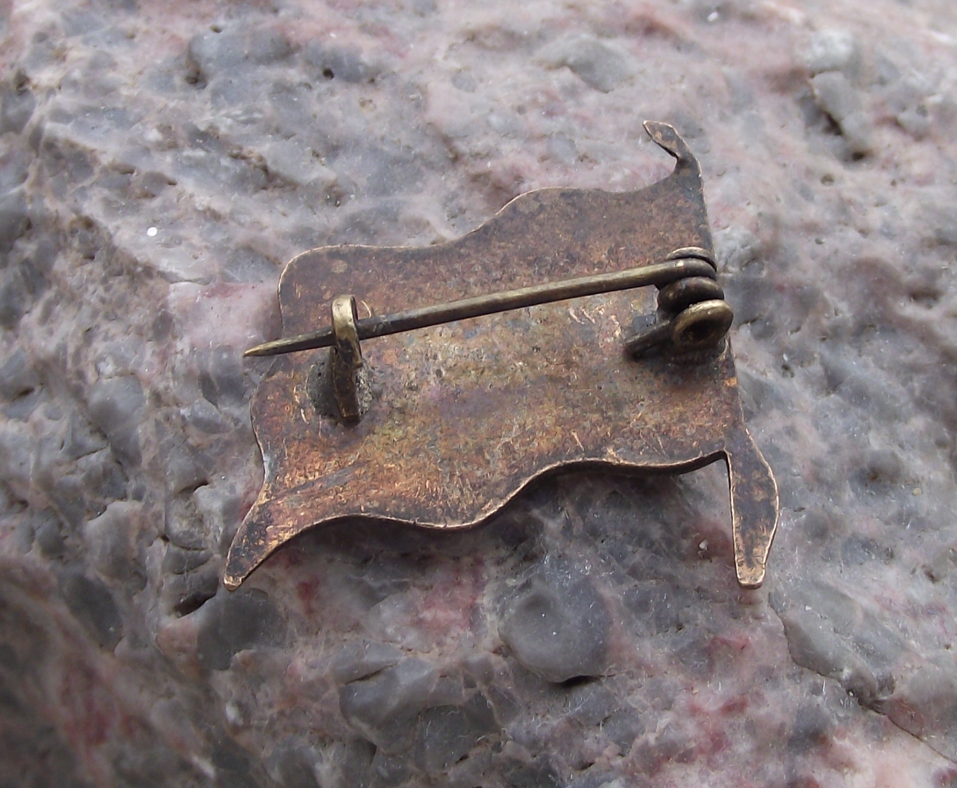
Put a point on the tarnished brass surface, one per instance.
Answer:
(463, 416)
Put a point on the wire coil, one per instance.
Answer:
(692, 313)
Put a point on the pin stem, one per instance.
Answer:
(659, 274)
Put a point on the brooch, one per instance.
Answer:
(526, 347)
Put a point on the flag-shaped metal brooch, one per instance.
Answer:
(532, 345)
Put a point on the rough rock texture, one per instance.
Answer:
(159, 162)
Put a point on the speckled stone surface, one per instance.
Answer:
(159, 163)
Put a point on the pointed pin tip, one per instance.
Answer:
(265, 349)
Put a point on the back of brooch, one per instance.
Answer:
(521, 349)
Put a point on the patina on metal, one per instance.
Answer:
(445, 422)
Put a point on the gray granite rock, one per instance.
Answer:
(833, 50)
(160, 164)
(17, 377)
(829, 633)
(115, 408)
(557, 625)
(93, 605)
(234, 623)
(600, 65)
(384, 708)
(359, 660)
(836, 96)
